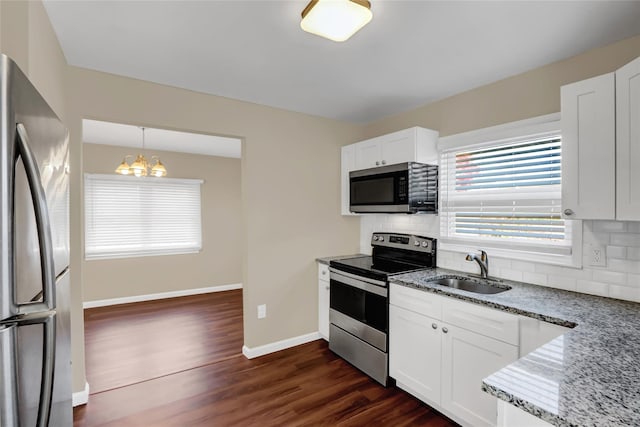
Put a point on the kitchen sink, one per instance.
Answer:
(478, 287)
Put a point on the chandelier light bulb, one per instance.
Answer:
(140, 167)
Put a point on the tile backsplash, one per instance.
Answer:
(620, 278)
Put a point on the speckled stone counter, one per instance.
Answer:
(326, 260)
(589, 376)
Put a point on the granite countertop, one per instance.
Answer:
(590, 376)
(326, 260)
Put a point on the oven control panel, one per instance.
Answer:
(404, 241)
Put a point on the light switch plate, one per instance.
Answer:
(262, 311)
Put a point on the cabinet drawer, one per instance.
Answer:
(323, 272)
(421, 302)
(486, 321)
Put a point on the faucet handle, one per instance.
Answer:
(484, 257)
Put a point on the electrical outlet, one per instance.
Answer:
(597, 256)
(262, 311)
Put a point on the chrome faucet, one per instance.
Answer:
(483, 262)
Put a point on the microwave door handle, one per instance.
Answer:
(43, 226)
(9, 413)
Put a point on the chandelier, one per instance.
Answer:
(141, 167)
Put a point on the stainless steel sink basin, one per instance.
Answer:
(471, 285)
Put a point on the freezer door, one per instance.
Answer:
(27, 348)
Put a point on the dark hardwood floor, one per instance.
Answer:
(129, 343)
(178, 362)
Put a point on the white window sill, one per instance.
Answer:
(94, 257)
(573, 260)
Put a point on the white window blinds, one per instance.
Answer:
(129, 216)
(505, 195)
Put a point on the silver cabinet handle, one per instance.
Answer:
(568, 212)
(42, 223)
(324, 272)
(9, 414)
(384, 162)
(327, 287)
(434, 326)
(445, 330)
(377, 163)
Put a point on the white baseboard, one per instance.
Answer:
(251, 353)
(81, 397)
(162, 295)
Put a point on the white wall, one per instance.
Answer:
(619, 279)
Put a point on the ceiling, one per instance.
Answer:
(412, 52)
(97, 132)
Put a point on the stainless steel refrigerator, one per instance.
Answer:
(35, 351)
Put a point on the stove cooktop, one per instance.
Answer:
(378, 269)
(393, 253)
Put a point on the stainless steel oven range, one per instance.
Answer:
(359, 298)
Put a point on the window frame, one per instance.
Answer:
(146, 251)
(513, 132)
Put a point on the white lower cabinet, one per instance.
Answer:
(415, 363)
(510, 416)
(442, 363)
(467, 358)
(323, 301)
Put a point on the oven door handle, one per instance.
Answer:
(359, 278)
(356, 283)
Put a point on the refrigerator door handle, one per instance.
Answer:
(9, 358)
(43, 225)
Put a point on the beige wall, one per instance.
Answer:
(219, 262)
(531, 94)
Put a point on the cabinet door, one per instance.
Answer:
(588, 148)
(323, 301)
(415, 353)
(348, 163)
(628, 141)
(467, 358)
(368, 154)
(509, 416)
(398, 147)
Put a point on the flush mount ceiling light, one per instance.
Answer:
(336, 20)
(140, 167)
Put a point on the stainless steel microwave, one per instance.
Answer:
(401, 188)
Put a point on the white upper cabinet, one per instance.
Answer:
(415, 144)
(628, 141)
(410, 145)
(601, 146)
(588, 148)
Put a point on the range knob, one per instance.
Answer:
(416, 243)
(375, 238)
(425, 244)
(382, 238)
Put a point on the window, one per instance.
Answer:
(505, 194)
(129, 216)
